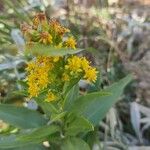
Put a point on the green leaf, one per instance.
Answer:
(77, 124)
(40, 49)
(94, 106)
(21, 117)
(48, 108)
(7, 142)
(68, 85)
(39, 134)
(56, 117)
(71, 96)
(28, 147)
(31, 139)
(74, 144)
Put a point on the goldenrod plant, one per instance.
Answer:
(67, 117)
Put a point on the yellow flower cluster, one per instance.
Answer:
(48, 32)
(80, 65)
(43, 72)
(45, 38)
(50, 97)
(57, 28)
(47, 74)
(71, 43)
(37, 78)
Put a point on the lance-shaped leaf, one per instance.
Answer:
(40, 49)
(11, 142)
(94, 106)
(71, 96)
(21, 117)
(39, 134)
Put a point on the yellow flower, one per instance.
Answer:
(58, 28)
(45, 38)
(43, 60)
(43, 72)
(85, 64)
(43, 79)
(74, 64)
(31, 66)
(65, 77)
(70, 43)
(91, 74)
(38, 74)
(35, 22)
(56, 58)
(33, 90)
(39, 18)
(50, 97)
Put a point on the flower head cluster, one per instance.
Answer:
(50, 97)
(38, 71)
(81, 66)
(48, 74)
(70, 42)
(48, 32)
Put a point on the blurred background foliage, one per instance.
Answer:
(116, 35)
